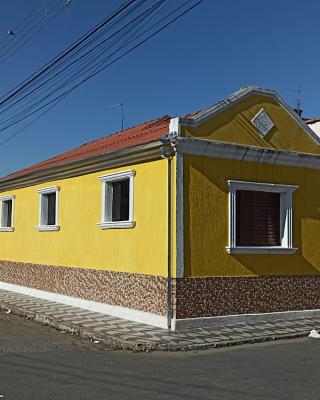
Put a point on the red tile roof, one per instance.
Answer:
(144, 133)
(311, 120)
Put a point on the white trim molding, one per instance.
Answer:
(101, 162)
(2, 200)
(174, 128)
(106, 200)
(285, 217)
(43, 227)
(117, 225)
(230, 151)
(223, 320)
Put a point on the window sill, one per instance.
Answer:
(261, 250)
(45, 228)
(6, 229)
(117, 225)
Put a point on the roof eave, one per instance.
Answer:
(130, 155)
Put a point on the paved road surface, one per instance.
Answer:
(38, 363)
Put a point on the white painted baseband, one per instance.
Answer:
(180, 324)
(114, 311)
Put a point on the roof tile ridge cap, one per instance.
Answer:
(151, 122)
(122, 138)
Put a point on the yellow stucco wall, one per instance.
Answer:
(80, 242)
(206, 219)
(234, 125)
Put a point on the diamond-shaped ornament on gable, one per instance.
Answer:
(262, 122)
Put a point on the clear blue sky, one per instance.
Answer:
(219, 47)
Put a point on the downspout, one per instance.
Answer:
(168, 151)
(169, 280)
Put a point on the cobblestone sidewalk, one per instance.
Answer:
(122, 334)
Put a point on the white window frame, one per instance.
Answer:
(7, 228)
(105, 203)
(285, 217)
(41, 227)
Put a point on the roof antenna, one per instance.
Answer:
(298, 100)
(122, 112)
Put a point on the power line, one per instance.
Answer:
(109, 57)
(93, 67)
(99, 70)
(21, 23)
(63, 54)
(115, 36)
(36, 21)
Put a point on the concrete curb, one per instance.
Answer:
(117, 344)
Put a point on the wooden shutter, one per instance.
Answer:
(257, 218)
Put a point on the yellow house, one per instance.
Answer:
(175, 222)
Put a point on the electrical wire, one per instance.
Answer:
(89, 69)
(93, 74)
(114, 36)
(23, 35)
(76, 73)
(109, 57)
(13, 92)
(20, 25)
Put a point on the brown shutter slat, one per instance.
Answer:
(257, 218)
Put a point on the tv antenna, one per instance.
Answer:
(122, 113)
(298, 101)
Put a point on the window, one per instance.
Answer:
(257, 218)
(117, 200)
(48, 209)
(6, 210)
(260, 217)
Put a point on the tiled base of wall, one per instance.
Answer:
(135, 291)
(217, 296)
(192, 297)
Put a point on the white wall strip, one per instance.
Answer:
(192, 323)
(115, 311)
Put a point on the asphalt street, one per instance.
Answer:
(37, 362)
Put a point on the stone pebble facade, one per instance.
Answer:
(216, 296)
(192, 297)
(136, 291)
